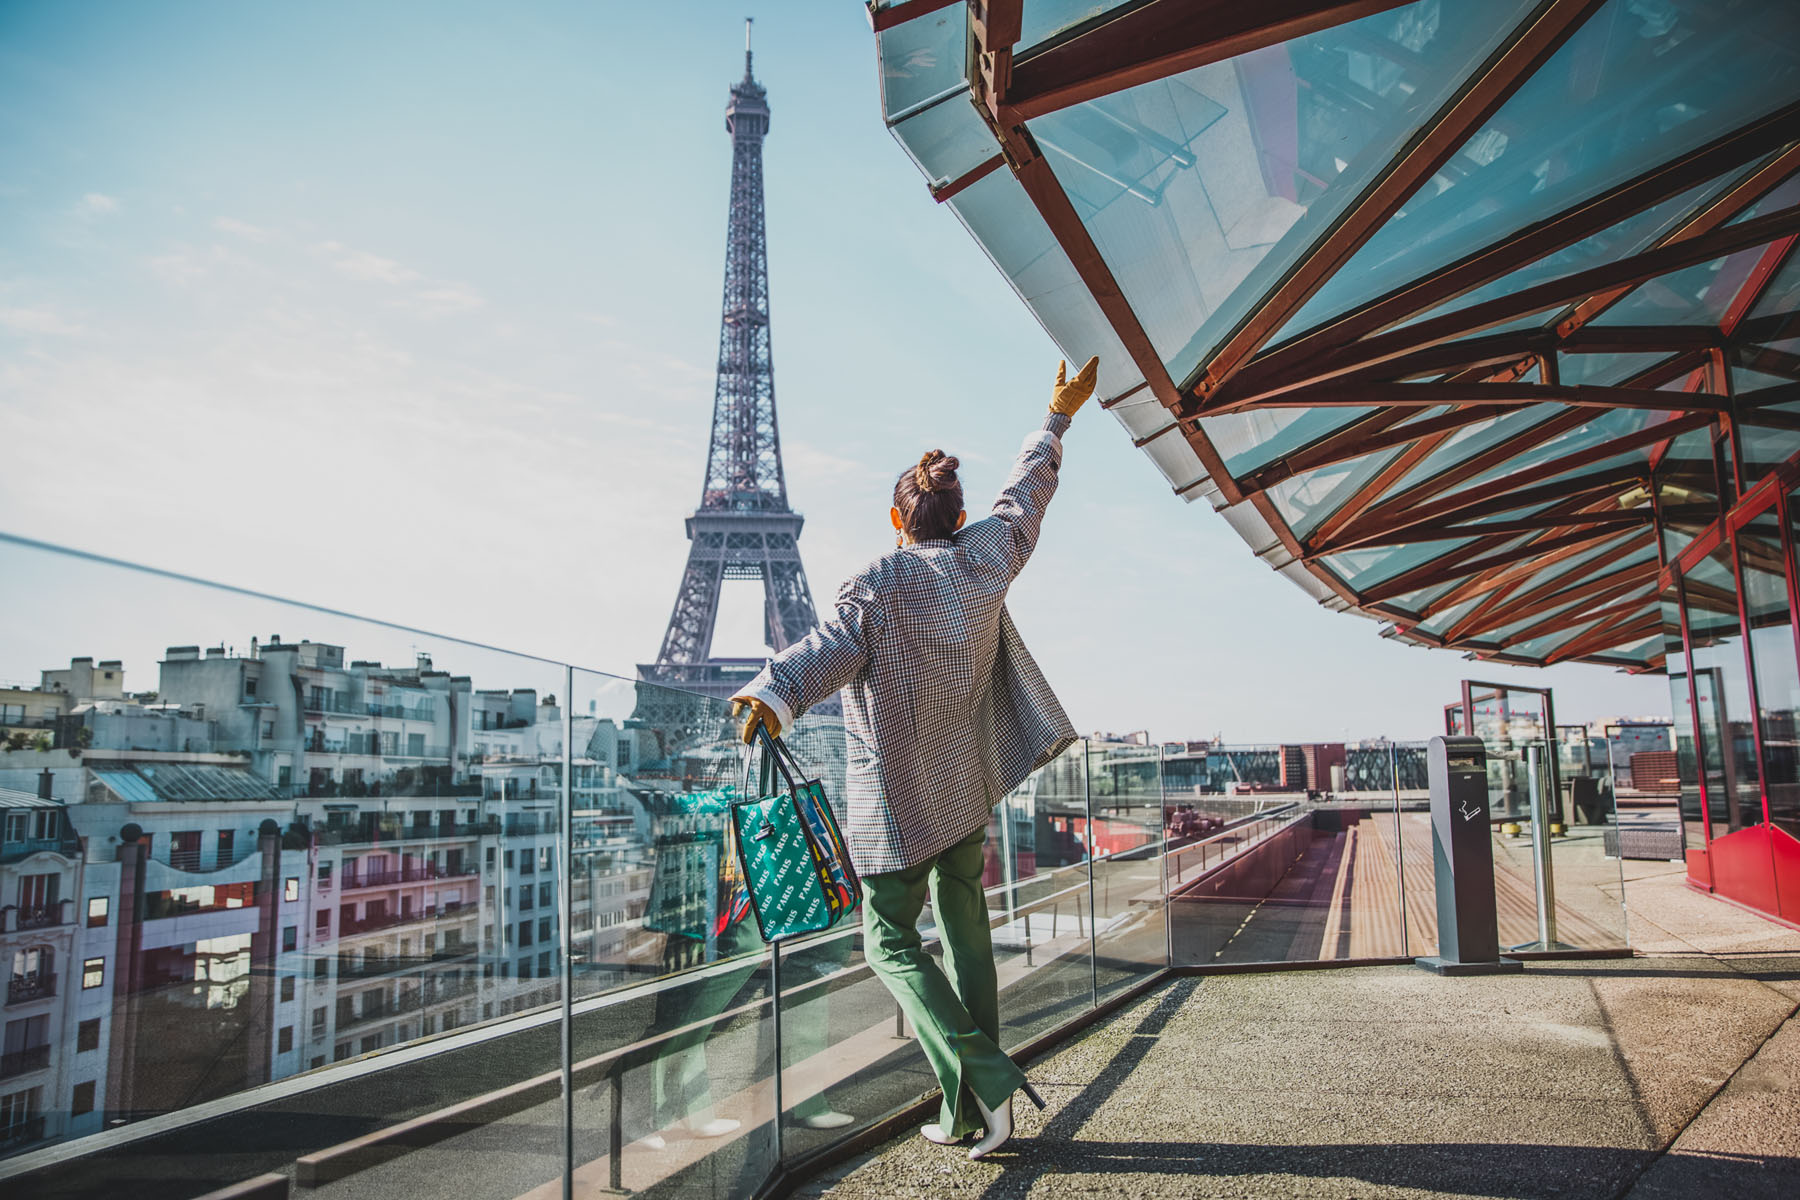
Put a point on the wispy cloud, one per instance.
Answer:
(36, 320)
(243, 229)
(361, 264)
(96, 204)
(444, 299)
(425, 296)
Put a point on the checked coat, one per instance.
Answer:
(944, 710)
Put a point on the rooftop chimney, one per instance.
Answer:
(45, 779)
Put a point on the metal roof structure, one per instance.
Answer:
(1417, 295)
(146, 783)
(14, 798)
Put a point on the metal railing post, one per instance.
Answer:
(1399, 848)
(615, 1131)
(565, 905)
(1540, 849)
(775, 992)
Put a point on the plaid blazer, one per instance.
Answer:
(944, 710)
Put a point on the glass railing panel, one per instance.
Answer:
(1125, 799)
(300, 837)
(1228, 855)
(1038, 899)
(845, 1058)
(1384, 782)
(673, 1036)
(1580, 908)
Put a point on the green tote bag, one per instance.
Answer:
(794, 858)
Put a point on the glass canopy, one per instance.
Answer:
(1417, 295)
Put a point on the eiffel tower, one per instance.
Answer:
(743, 528)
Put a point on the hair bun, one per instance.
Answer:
(936, 471)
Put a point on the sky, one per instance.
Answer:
(411, 311)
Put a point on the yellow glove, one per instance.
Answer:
(1071, 394)
(758, 713)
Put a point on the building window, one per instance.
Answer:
(287, 987)
(284, 1041)
(290, 891)
(93, 973)
(324, 876)
(317, 1062)
(371, 1043)
(543, 929)
(527, 864)
(250, 686)
(81, 1100)
(227, 844)
(318, 1026)
(184, 850)
(490, 858)
(525, 895)
(340, 1052)
(98, 907)
(87, 1035)
(322, 922)
(321, 968)
(524, 933)
(290, 938)
(544, 898)
(284, 775)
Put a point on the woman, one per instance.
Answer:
(944, 713)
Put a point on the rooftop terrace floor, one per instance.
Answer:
(1674, 1073)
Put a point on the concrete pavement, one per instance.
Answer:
(1672, 1074)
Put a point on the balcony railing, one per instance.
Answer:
(449, 913)
(42, 917)
(402, 963)
(20, 1132)
(376, 835)
(31, 987)
(371, 879)
(17, 1062)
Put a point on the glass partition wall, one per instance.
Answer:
(1728, 601)
(391, 912)
(395, 913)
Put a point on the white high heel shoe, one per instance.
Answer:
(999, 1122)
(935, 1133)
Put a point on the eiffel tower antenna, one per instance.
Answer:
(743, 528)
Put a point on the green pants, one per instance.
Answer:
(954, 1010)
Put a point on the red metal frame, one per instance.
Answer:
(1427, 381)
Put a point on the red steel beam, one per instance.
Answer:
(1404, 510)
(1502, 580)
(1556, 232)
(1436, 572)
(1165, 37)
(1761, 275)
(1510, 603)
(1597, 589)
(1487, 88)
(1431, 395)
(1587, 287)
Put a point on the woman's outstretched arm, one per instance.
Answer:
(1028, 489)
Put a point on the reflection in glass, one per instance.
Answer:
(1764, 563)
(1722, 695)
